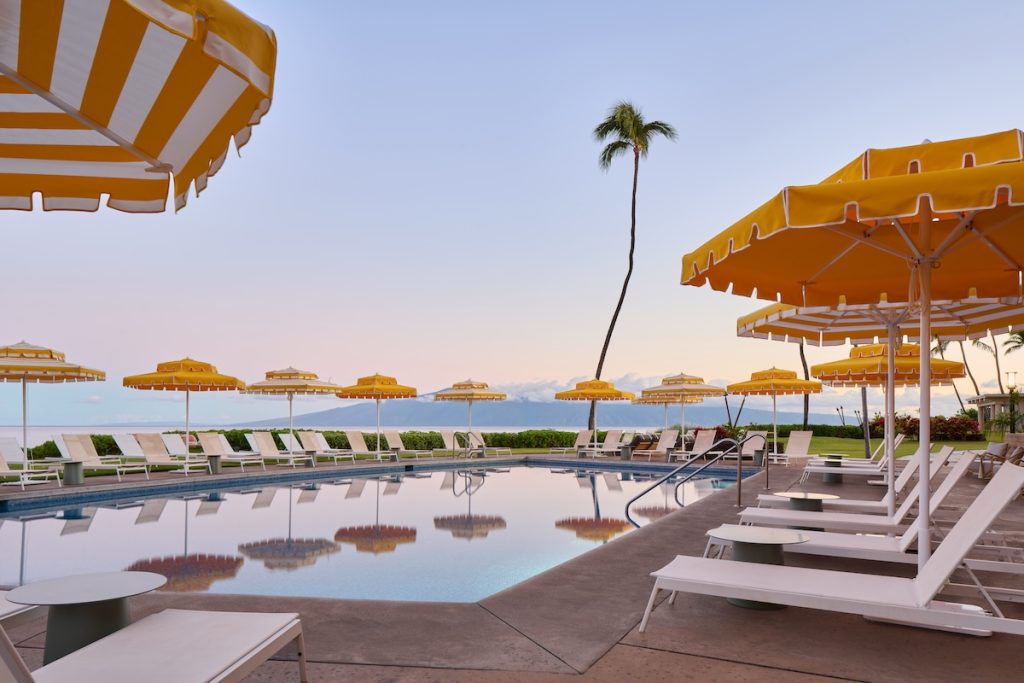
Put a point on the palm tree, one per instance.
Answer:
(807, 375)
(940, 350)
(992, 348)
(963, 354)
(1015, 342)
(629, 132)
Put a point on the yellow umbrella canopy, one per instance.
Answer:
(926, 222)
(377, 387)
(118, 97)
(470, 392)
(594, 390)
(681, 389)
(24, 362)
(290, 382)
(868, 366)
(186, 375)
(952, 204)
(774, 382)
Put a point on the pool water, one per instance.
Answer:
(455, 536)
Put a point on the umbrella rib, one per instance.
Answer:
(961, 230)
(896, 223)
(977, 232)
(870, 243)
(839, 257)
(158, 166)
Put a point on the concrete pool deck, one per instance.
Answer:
(578, 621)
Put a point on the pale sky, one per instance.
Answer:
(424, 199)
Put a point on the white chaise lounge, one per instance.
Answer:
(582, 439)
(179, 646)
(394, 440)
(609, 445)
(852, 521)
(884, 598)
(770, 500)
(10, 450)
(476, 440)
(316, 443)
(264, 444)
(215, 443)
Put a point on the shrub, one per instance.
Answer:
(840, 431)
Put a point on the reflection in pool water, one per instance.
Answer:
(445, 536)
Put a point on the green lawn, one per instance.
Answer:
(855, 447)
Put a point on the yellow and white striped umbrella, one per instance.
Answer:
(24, 362)
(289, 383)
(469, 392)
(679, 389)
(116, 96)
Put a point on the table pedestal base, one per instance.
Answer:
(761, 553)
(833, 478)
(72, 627)
(74, 473)
(807, 505)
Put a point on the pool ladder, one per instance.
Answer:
(718, 450)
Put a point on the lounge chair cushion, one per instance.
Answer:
(173, 645)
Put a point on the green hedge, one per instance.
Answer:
(841, 431)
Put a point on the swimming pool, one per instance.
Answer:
(447, 535)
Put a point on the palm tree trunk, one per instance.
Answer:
(942, 355)
(967, 367)
(995, 354)
(739, 412)
(807, 375)
(625, 284)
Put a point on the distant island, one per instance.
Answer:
(527, 414)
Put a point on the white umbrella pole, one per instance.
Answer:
(666, 415)
(186, 428)
(890, 416)
(24, 418)
(925, 434)
(291, 438)
(378, 429)
(775, 445)
(469, 425)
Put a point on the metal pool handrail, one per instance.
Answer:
(731, 445)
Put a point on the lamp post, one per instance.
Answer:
(1011, 383)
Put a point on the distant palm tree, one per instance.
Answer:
(1015, 342)
(630, 133)
(992, 348)
(963, 354)
(940, 350)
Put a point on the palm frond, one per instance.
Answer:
(940, 348)
(982, 346)
(1015, 341)
(661, 128)
(612, 150)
